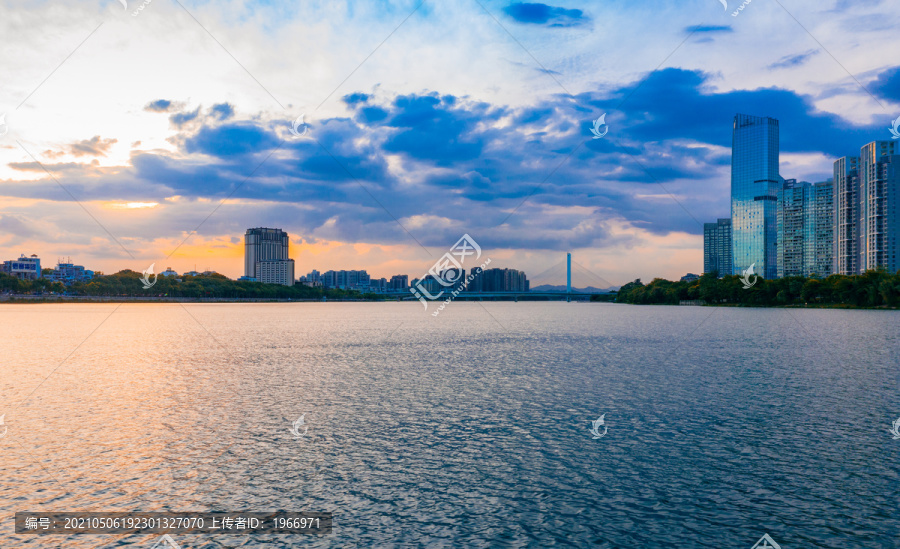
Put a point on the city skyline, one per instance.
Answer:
(800, 232)
(487, 141)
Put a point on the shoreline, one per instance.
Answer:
(24, 300)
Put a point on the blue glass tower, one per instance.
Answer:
(754, 194)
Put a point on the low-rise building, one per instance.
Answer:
(69, 273)
(25, 268)
(346, 280)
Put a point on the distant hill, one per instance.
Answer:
(588, 290)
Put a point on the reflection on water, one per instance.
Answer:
(472, 429)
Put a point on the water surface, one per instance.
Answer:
(470, 429)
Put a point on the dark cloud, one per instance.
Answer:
(436, 129)
(354, 98)
(160, 105)
(222, 111)
(542, 14)
(231, 139)
(887, 85)
(708, 29)
(179, 119)
(456, 165)
(675, 103)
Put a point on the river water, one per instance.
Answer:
(470, 429)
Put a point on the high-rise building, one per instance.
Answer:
(805, 221)
(717, 247)
(313, 276)
(846, 215)
(867, 209)
(266, 256)
(822, 254)
(754, 187)
(791, 221)
(399, 282)
(879, 198)
(499, 280)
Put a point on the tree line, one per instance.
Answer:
(876, 288)
(128, 284)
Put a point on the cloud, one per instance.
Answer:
(179, 119)
(708, 29)
(887, 85)
(230, 139)
(515, 177)
(542, 14)
(790, 61)
(222, 111)
(160, 105)
(96, 146)
(18, 226)
(444, 164)
(93, 147)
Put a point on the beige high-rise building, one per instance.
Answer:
(267, 256)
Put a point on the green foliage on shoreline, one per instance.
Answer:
(604, 298)
(128, 283)
(872, 289)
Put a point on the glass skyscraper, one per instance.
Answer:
(754, 190)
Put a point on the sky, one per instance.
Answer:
(378, 133)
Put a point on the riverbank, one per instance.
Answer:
(127, 299)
